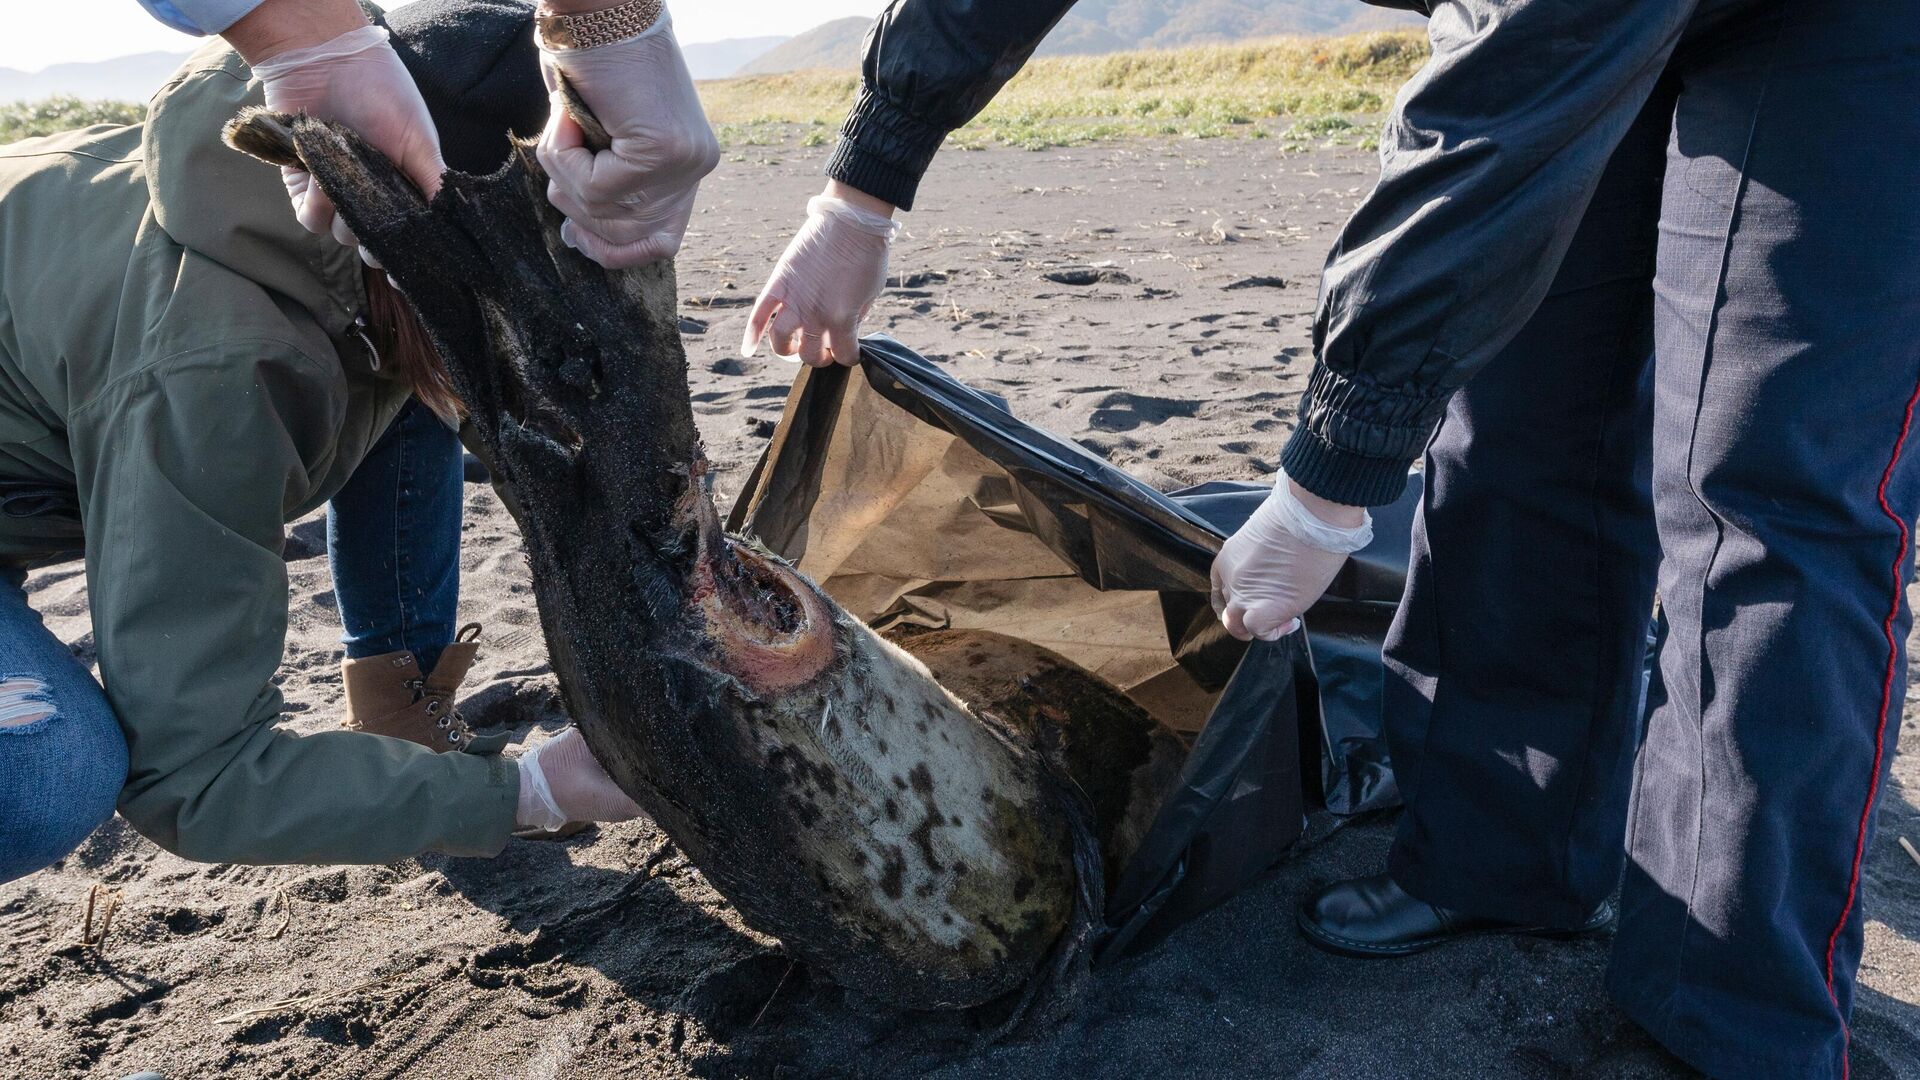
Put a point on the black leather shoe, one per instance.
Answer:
(1373, 917)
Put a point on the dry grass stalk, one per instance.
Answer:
(286, 915)
(97, 941)
(301, 1001)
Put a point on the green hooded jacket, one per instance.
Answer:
(180, 376)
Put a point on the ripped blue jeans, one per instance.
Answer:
(62, 757)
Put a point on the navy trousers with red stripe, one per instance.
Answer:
(1717, 396)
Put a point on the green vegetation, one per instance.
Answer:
(1306, 90)
(26, 119)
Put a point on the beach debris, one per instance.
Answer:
(286, 914)
(919, 847)
(777, 987)
(1258, 281)
(96, 939)
(718, 302)
(918, 279)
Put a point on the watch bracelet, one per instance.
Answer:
(593, 29)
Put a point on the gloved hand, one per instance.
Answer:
(560, 782)
(358, 80)
(823, 285)
(1275, 566)
(627, 205)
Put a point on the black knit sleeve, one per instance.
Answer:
(931, 66)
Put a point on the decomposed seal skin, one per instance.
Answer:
(897, 839)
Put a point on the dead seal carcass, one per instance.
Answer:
(894, 838)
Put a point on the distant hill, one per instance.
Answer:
(1075, 36)
(135, 78)
(1092, 27)
(829, 45)
(1169, 24)
(1104, 26)
(125, 78)
(719, 59)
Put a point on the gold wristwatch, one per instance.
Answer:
(591, 29)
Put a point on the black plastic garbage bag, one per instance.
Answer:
(912, 498)
(1344, 633)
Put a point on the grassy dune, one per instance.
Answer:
(26, 119)
(1305, 90)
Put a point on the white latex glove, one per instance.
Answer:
(358, 80)
(823, 285)
(1275, 566)
(560, 782)
(627, 205)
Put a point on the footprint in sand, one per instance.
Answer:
(1087, 275)
(1124, 411)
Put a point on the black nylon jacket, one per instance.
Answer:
(1487, 162)
(931, 66)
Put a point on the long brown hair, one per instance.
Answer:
(405, 349)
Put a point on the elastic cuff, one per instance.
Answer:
(352, 43)
(884, 150)
(1357, 438)
(858, 218)
(1340, 476)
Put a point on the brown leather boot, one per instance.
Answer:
(387, 695)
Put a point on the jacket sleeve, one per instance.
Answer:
(931, 66)
(1487, 163)
(199, 16)
(186, 472)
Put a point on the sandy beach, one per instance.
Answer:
(1153, 300)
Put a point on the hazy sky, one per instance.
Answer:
(100, 29)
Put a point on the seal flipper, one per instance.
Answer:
(387, 213)
(260, 132)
